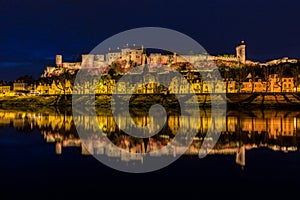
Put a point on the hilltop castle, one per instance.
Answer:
(137, 54)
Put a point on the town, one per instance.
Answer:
(239, 75)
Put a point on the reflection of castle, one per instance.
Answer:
(276, 130)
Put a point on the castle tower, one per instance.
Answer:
(58, 60)
(241, 52)
(88, 60)
(174, 57)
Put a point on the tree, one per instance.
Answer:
(280, 69)
(26, 79)
(295, 74)
(254, 74)
(65, 81)
(106, 81)
(266, 73)
(242, 74)
(214, 80)
(224, 70)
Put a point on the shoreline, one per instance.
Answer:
(233, 100)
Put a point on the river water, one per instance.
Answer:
(257, 151)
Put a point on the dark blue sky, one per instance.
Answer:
(33, 32)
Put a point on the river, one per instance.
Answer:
(256, 149)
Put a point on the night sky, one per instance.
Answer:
(33, 32)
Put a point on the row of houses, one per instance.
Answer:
(156, 83)
(21, 88)
(13, 89)
(274, 83)
(161, 82)
(177, 85)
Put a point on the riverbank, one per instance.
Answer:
(244, 100)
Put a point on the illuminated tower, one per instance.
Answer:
(88, 60)
(241, 52)
(58, 60)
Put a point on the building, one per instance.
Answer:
(55, 88)
(253, 85)
(58, 60)
(88, 60)
(155, 58)
(66, 65)
(230, 85)
(99, 57)
(112, 56)
(19, 86)
(135, 55)
(132, 54)
(5, 90)
(281, 60)
(281, 84)
(241, 52)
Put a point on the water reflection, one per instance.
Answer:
(243, 130)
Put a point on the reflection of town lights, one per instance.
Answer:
(295, 122)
